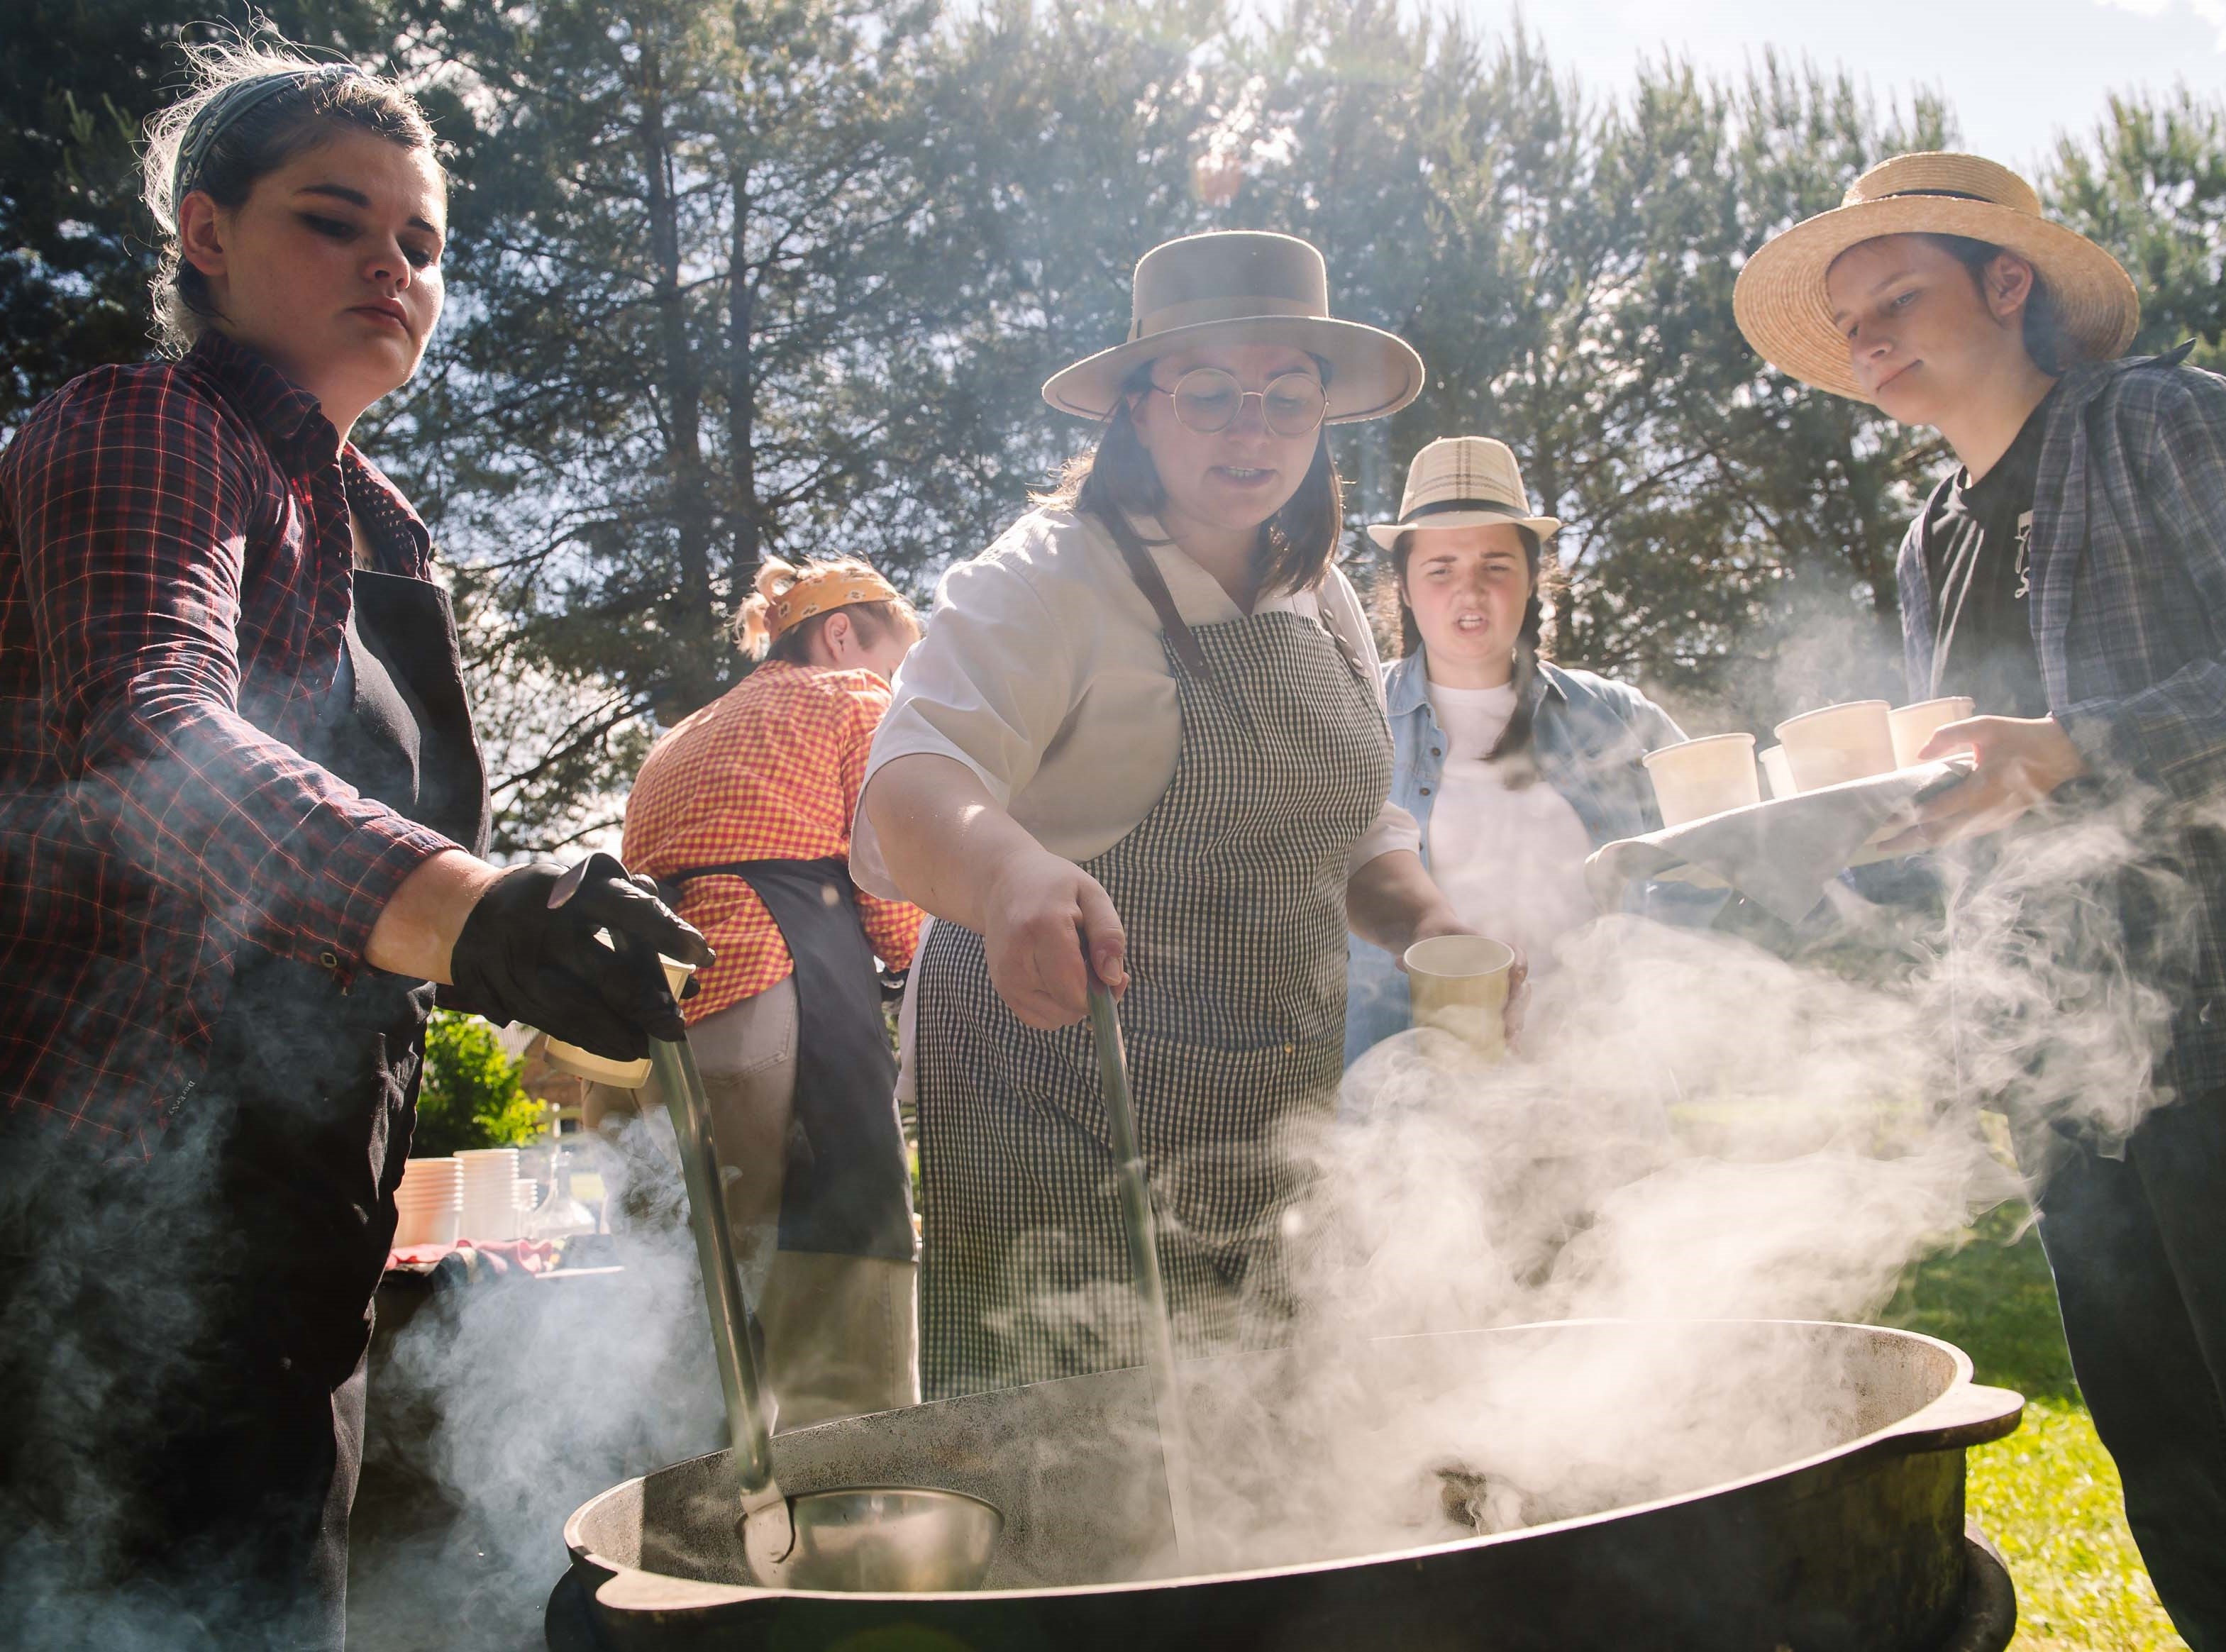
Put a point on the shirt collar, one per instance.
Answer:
(1407, 685)
(2084, 382)
(287, 418)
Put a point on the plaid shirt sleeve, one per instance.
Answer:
(2173, 732)
(134, 515)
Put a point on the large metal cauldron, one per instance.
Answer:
(1850, 1541)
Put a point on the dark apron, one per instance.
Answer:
(846, 1190)
(225, 1307)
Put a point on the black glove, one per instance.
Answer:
(528, 952)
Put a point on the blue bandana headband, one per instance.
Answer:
(220, 113)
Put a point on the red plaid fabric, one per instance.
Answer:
(770, 770)
(174, 558)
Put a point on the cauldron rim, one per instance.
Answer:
(1964, 1413)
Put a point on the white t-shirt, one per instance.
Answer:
(1512, 859)
(1043, 672)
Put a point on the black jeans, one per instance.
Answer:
(2138, 1246)
(182, 1340)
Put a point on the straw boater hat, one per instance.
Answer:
(1780, 300)
(1463, 482)
(1243, 287)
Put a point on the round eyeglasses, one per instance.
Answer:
(1208, 400)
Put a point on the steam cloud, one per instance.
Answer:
(1697, 1129)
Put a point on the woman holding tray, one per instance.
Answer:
(2069, 569)
(1146, 724)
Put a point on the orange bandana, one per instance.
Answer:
(818, 593)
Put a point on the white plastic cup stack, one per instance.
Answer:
(430, 1203)
(490, 1210)
(1777, 772)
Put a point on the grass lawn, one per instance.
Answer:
(2047, 1495)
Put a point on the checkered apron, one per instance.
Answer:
(1232, 893)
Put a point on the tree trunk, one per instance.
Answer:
(693, 676)
(743, 510)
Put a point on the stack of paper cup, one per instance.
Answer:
(490, 1193)
(430, 1203)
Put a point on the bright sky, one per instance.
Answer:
(2018, 72)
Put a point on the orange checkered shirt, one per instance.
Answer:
(770, 770)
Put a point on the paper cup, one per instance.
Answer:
(1914, 725)
(1459, 984)
(1840, 743)
(431, 1225)
(1777, 772)
(1699, 777)
(490, 1201)
(621, 1075)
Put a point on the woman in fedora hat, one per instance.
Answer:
(1478, 716)
(1146, 726)
(2068, 574)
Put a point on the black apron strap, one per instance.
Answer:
(1145, 572)
(847, 1192)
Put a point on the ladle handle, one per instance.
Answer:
(682, 1084)
(1138, 1223)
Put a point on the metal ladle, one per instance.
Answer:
(1144, 1258)
(874, 1538)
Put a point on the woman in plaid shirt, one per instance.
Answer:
(2070, 576)
(745, 809)
(241, 808)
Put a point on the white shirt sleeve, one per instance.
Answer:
(1393, 828)
(989, 685)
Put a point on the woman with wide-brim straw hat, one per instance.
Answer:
(1515, 768)
(1146, 724)
(2069, 575)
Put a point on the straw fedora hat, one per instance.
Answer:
(1463, 482)
(1243, 287)
(1780, 300)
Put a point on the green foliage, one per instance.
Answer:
(732, 279)
(2151, 186)
(471, 1096)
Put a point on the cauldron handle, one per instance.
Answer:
(1970, 1414)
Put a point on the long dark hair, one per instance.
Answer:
(1116, 479)
(1531, 644)
(2046, 340)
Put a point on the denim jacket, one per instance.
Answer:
(1589, 736)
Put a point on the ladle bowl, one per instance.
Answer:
(892, 1539)
(889, 1539)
